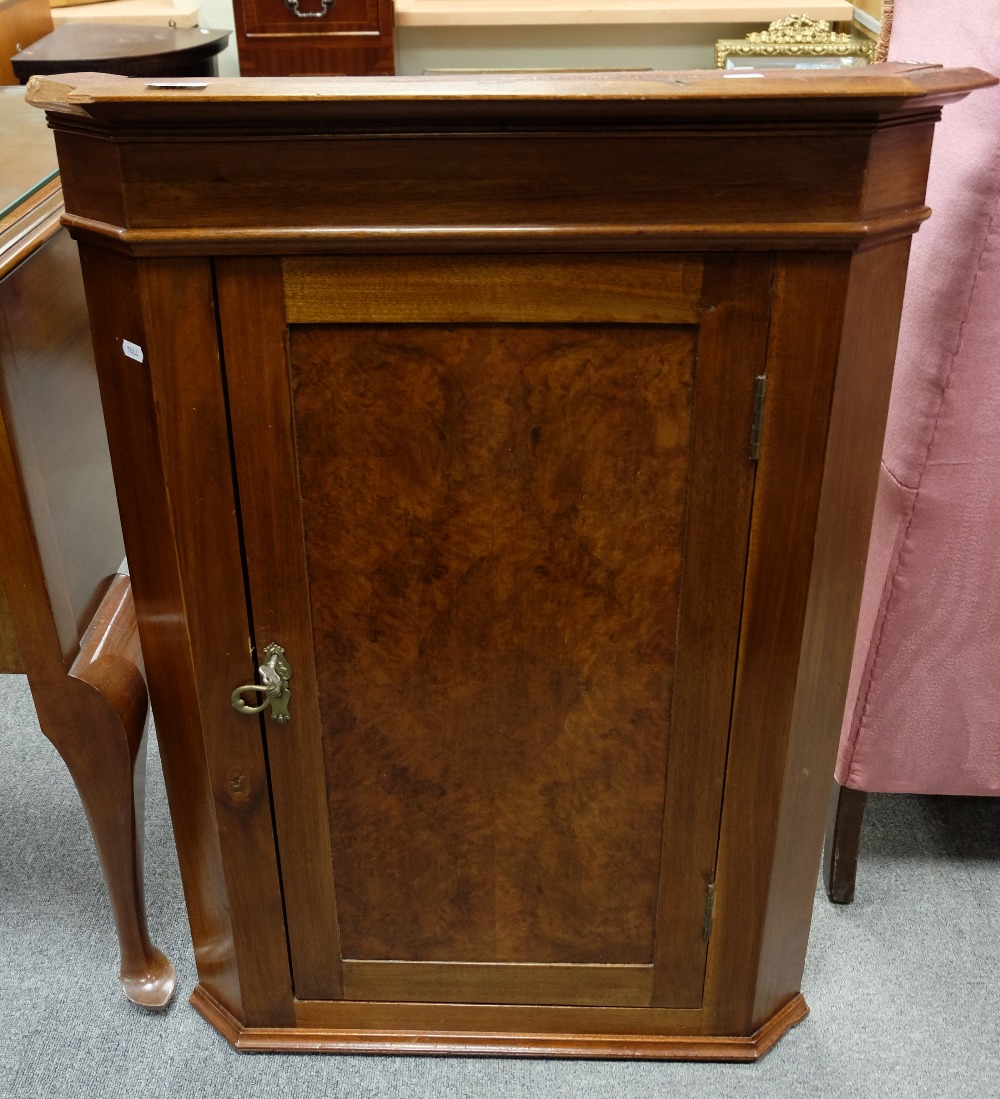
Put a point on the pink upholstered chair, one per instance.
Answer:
(923, 710)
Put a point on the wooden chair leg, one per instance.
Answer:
(843, 838)
(97, 719)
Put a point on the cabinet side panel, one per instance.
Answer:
(854, 446)
(806, 323)
(897, 172)
(90, 175)
(126, 390)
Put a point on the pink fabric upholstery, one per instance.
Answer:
(923, 712)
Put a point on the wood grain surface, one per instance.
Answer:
(535, 288)
(493, 983)
(810, 95)
(10, 654)
(493, 521)
(461, 179)
(733, 311)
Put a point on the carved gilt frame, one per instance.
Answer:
(796, 38)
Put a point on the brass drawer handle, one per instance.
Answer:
(274, 675)
(324, 7)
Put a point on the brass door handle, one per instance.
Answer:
(274, 674)
(324, 7)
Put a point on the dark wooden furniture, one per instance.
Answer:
(21, 23)
(123, 49)
(315, 37)
(448, 397)
(842, 843)
(66, 617)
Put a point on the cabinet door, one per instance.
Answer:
(496, 512)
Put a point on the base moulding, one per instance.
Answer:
(672, 1047)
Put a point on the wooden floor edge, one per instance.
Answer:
(479, 1044)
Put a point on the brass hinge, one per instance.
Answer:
(759, 392)
(709, 911)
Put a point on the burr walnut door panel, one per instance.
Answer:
(496, 511)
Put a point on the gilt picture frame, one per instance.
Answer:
(795, 42)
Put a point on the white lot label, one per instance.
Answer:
(132, 350)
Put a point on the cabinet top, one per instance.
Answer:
(690, 160)
(627, 96)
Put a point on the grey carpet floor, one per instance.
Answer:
(903, 985)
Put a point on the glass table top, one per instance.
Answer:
(28, 159)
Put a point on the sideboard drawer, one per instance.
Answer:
(311, 17)
(314, 37)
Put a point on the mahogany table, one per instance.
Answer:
(124, 49)
(66, 616)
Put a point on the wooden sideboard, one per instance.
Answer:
(524, 432)
(315, 37)
(21, 23)
(66, 616)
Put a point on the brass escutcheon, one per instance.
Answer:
(274, 674)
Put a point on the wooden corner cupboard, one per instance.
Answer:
(523, 432)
